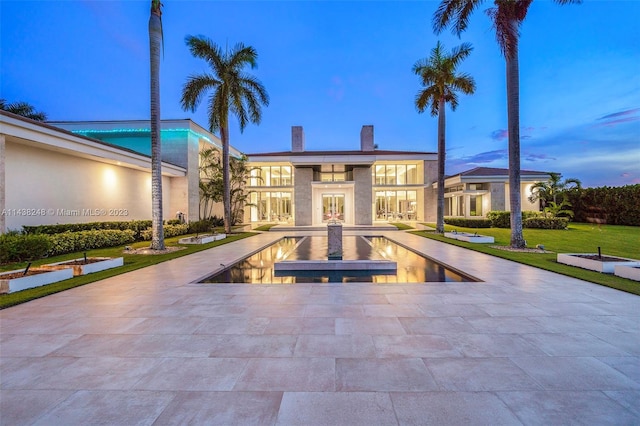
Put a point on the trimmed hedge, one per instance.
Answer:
(137, 226)
(169, 231)
(546, 223)
(467, 223)
(502, 219)
(18, 248)
(69, 242)
(611, 205)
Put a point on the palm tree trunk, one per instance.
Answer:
(155, 37)
(513, 118)
(441, 162)
(226, 184)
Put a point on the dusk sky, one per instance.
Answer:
(332, 67)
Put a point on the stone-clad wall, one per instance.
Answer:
(363, 195)
(302, 195)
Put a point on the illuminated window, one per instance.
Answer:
(395, 174)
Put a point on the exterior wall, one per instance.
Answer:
(66, 189)
(363, 197)
(430, 176)
(525, 204)
(498, 196)
(302, 195)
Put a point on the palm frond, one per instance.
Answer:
(454, 13)
(195, 88)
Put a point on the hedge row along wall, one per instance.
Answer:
(618, 205)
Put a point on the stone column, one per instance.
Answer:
(366, 138)
(302, 196)
(3, 188)
(334, 235)
(363, 196)
(297, 139)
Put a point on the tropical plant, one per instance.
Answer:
(211, 183)
(23, 109)
(233, 91)
(155, 39)
(506, 16)
(558, 210)
(548, 191)
(440, 83)
(212, 186)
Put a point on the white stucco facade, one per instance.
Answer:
(53, 176)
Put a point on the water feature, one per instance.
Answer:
(411, 267)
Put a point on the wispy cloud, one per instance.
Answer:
(620, 114)
(538, 157)
(616, 118)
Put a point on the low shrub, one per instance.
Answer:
(546, 223)
(169, 231)
(200, 226)
(205, 225)
(137, 226)
(69, 242)
(502, 219)
(467, 223)
(18, 248)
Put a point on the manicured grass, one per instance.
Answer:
(621, 241)
(265, 227)
(401, 226)
(131, 263)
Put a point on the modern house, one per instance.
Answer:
(71, 172)
(358, 187)
(476, 192)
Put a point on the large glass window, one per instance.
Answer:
(271, 176)
(396, 205)
(391, 174)
(395, 174)
(271, 206)
(475, 205)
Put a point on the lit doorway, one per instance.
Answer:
(332, 207)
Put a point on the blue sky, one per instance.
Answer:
(335, 66)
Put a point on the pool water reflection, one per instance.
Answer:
(411, 267)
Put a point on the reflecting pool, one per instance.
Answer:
(411, 267)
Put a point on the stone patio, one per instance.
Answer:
(524, 346)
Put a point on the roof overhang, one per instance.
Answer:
(50, 138)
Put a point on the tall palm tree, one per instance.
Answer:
(233, 91)
(507, 16)
(24, 109)
(155, 39)
(549, 190)
(441, 82)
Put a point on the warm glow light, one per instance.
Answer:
(109, 179)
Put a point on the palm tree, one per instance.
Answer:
(507, 16)
(24, 109)
(155, 39)
(548, 191)
(441, 82)
(233, 91)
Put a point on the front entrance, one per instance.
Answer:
(332, 207)
(332, 203)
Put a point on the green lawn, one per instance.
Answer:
(401, 226)
(265, 227)
(622, 241)
(131, 263)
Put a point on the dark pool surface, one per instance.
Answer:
(411, 267)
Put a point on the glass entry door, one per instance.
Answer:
(332, 207)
